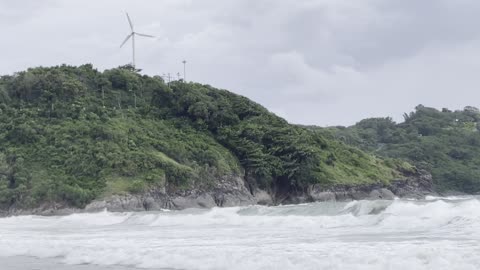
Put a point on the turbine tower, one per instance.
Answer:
(132, 36)
(184, 70)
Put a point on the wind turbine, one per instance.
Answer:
(132, 36)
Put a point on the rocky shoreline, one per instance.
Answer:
(233, 191)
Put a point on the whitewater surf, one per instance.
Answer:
(436, 233)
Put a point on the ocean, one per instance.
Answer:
(436, 233)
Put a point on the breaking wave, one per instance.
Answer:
(436, 233)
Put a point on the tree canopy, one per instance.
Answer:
(444, 142)
(71, 134)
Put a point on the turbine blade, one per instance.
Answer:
(144, 35)
(129, 21)
(126, 39)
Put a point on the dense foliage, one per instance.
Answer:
(71, 134)
(446, 143)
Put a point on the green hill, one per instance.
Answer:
(446, 143)
(73, 134)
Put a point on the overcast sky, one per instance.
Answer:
(323, 62)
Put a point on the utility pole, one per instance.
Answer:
(167, 78)
(135, 99)
(118, 101)
(103, 97)
(184, 70)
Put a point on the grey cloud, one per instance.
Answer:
(12, 12)
(312, 61)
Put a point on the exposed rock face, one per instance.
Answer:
(414, 186)
(262, 197)
(228, 191)
(381, 194)
(43, 210)
(319, 195)
(201, 201)
(232, 191)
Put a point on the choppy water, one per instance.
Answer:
(438, 233)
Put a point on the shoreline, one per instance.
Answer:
(235, 192)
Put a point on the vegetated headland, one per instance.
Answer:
(78, 139)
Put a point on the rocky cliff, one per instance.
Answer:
(233, 191)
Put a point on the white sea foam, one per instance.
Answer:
(438, 233)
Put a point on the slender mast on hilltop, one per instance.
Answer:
(132, 36)
(184, 70)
